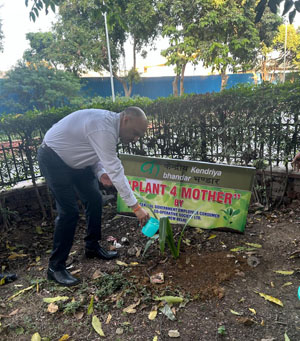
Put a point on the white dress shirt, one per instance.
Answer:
(89, 138)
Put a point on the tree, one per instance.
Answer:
(230, 40)
(290, 6)
(178, 24)
(80, 41)
(37, 86)
(292, 53)
(268, 29)
(38, 5)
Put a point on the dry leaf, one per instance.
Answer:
(97, 326)
(121, 263)
(79, 315)
(252, 311)
(235, 312)
(75, 272)
(36, 337)
(155, 338)
(270, 298)
(20, 292)
(14, 312)
(134, 263)
(108, 319)
(130, 309)
(284, 272)
(246, 321)
(64, 337)
(15, 255)
(97, 274)
(55, 299)
(286, 284)
(152, 315)
(212, 236)
(257, 246)
(52, 308)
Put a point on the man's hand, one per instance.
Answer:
(296, 162)
(105, 180)
(142, 215)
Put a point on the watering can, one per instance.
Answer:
(151, 227)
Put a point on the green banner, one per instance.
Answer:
(220, 194)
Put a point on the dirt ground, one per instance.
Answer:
(219, 275)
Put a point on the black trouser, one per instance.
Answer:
(64, 182)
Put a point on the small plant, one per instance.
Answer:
(222, 330)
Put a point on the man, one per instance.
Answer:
(76, 152)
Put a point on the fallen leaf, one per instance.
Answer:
(97, 326)
(284, 272)
(97, 274)
(55, 299)
(212, 236)
(20, 292)
(75, 272)
(173, 333)
(108, 319)
(52, 308)
(257, 246)
(155, 338)
(64, 337)
(270, 298)
(286, 338)
(252, 311)
(36, 337)
(121, 263)
(245, 320)
(38, 230)
(79, 315)
(91, 306)
(15, 255)
(134, 263)
(286, 284)
(14, 312)
(37, 259)
(131, 309)
(235, 312)
(169, 299)
(152, 315)
(157, 278)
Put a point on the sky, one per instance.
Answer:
(16, 23)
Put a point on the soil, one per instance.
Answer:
(219, 285)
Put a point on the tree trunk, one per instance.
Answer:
(264, 69)
(182, 79)
(127, 89)
(175, 87)
(224, 79)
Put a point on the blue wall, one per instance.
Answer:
(154, 87)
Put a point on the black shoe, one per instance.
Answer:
(7, 278)
(62, 277)
(101, 253)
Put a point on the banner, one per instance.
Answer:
(220, 194)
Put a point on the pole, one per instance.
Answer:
(109, 59)
(284, 57)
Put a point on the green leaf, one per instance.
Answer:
(149, 243)
(286, 338)
(97, 326)
(162, 233)
(287, 6)
(55, 299)
(169, 299)
(91, 306)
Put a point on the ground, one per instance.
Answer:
(219, 275)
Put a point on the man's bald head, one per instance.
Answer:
(133, 124)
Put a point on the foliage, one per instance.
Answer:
(290, 7)
(37, 86)
(79, 36)
(292, 53)
(38, 5)
(229, 37)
